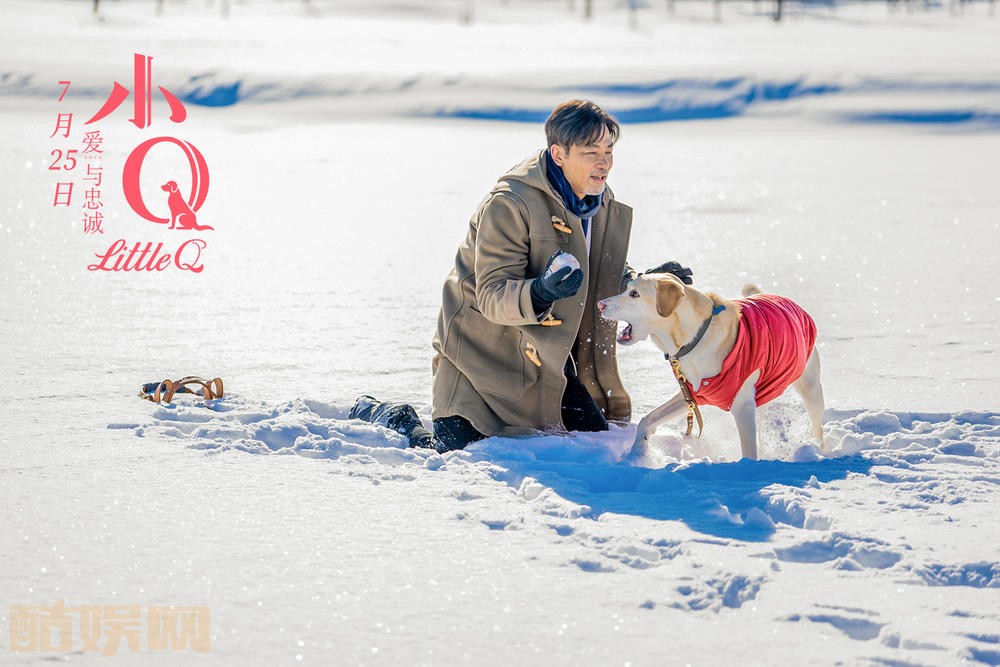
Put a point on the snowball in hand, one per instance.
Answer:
(563, 259)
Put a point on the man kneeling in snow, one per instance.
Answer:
(519, 346)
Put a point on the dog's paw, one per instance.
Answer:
(638, 451)
(634, 457)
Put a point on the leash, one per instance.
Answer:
(675, 365)
(164, 391)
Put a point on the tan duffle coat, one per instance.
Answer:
(495, 363)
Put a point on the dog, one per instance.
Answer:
(181, 214)
(734, 354)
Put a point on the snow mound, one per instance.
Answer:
(312, 429)
(929, 462)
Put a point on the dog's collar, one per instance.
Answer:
(718, 308)
(675, 365)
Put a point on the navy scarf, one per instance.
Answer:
(582, 208)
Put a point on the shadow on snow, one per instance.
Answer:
(725, 500)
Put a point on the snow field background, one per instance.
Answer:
(314, 538)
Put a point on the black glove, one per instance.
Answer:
(674, 268)
(547, 289)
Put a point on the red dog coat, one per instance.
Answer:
(775, 336)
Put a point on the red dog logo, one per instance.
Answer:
(181, 215)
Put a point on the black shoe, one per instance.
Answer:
(454, 432)
(421, 438)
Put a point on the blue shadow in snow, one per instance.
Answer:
(649, 114)
(703, 99)
(662, 101)
(717, 499)
(676, 99)
(200, 90)
(510, 114)
(937, 117)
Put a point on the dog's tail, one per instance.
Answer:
(201, 228)
(750, 289)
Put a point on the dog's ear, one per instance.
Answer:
(668, 294)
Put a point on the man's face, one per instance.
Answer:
(586, 167)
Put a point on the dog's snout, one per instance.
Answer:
(601, 305)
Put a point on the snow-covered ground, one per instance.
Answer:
(846, 157)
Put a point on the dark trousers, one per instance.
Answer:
(453, 432)
(579, 413)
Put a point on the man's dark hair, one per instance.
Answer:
(580, 123)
